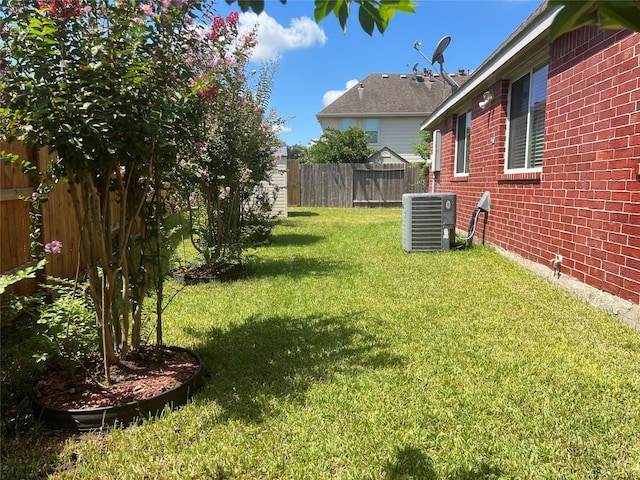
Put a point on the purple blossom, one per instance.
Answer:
(218, 28)
(233, 17)
(61, 9)
(55, 246)
(245, 175)
(147, 8)
(224, 193)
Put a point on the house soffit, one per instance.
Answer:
(528, 46)
(420, 115)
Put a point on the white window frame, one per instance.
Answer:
(463, 145)
(533, 108)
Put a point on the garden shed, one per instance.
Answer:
(278, 184)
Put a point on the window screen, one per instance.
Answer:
(371, 129)
(526, 120)
(347, 123)
(463, 142)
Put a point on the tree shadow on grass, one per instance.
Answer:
(303, 214)
(293, 240)
(412, 463)
(262, 361)
(27, 450)
(293, 267)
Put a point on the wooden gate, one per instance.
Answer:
(376, 185)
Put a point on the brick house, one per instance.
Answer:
(552, 130)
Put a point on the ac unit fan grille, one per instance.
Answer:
(426, 223)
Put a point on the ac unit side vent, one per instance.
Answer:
(428, 221)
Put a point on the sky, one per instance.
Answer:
(318, 62)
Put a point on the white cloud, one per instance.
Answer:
(331, 95)
(275, 39)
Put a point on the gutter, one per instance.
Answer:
(539, 27)
(372, 114)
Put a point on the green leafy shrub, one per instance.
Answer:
(69, 325)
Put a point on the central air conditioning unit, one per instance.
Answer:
(428, 221)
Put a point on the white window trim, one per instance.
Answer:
(525, 169)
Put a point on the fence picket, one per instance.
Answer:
(349, 185)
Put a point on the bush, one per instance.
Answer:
(69, 326)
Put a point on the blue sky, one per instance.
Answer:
(318, 62)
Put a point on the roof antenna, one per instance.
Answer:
(438, 56)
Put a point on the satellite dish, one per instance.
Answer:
(439, 51)
(415, 68)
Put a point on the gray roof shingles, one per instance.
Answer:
(391, 94)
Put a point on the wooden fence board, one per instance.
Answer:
(57, 221)
(355, 185)
(293, 182)
(15, 225)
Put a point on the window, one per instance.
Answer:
(347, 123)
(371, 130)
(463, 143)
(527, 108)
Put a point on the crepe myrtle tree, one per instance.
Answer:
(106, 84)
(228, 153)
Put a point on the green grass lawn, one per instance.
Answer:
(341, 356)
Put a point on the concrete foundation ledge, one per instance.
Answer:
(628, 312)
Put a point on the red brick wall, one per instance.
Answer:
(585, 205)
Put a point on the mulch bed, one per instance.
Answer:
(146, 372)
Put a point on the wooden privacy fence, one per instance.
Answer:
(15, 249)
(58, 220)
(357, 184)
(293, 182)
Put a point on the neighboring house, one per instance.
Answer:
(552, 130)
(389, 108)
